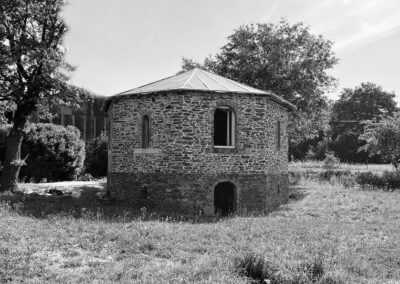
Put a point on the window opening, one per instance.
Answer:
(224, 127)
(146, 132)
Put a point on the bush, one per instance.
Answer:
(97, 156)
(388, 181)
(318, 152)
(330, 162)
(370, 179)
(392, 179)
(338, 174)
(53, 152)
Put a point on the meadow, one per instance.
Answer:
(326, 233)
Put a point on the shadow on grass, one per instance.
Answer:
(89, 202)
(297, 193)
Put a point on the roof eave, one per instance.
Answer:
(107, 103)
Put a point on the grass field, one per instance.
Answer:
(325, 234)
(317, 166)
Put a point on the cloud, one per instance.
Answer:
(363, 22)
(350, 23)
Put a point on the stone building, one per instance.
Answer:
(198, 142)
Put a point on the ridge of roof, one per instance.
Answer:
(190, 77)
(197, 79)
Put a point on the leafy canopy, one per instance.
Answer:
(33, 71)
(383, 138)
(285, 59)
(365, 102)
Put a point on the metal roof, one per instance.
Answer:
(198, 80)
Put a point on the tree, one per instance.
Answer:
(286, 59)
(33, 72)
(365, 102)
(383, 138)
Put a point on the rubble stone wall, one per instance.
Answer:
(182, 166)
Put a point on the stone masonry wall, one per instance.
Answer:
(193, 193)
(182, 166)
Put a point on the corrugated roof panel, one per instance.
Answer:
(195, 79)
(213, 83)
(200, 80)
(196, 84)
(169, 83)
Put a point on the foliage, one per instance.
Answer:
(189, 64)
(97, 156)
(57, 149)
(389, 180)
(330, 162)
(33, 72)
(286, 59)
(366, 102)
(31, 47)
(383, 138)
(311, 149)
(51, 152)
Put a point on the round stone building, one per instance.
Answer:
(198, 142)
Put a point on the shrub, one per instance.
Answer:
(97, 156)
(338, 174)
(52, 152)
(370, 179)
(388, 181)
(318, 152)
(330, 162)
(392, 179)
(321, 150)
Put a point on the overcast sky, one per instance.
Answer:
(121, 44)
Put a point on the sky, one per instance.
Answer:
(118, 45)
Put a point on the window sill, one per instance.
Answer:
(225, 149)
(146, 151)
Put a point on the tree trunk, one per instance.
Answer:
(12, 163)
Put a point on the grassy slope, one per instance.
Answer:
(355, 233)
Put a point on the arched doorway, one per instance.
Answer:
(224, 198)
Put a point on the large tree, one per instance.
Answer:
(33, 72)
(365, 102)
(383, 138)
(286, 59)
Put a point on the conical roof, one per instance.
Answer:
(199, 80)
